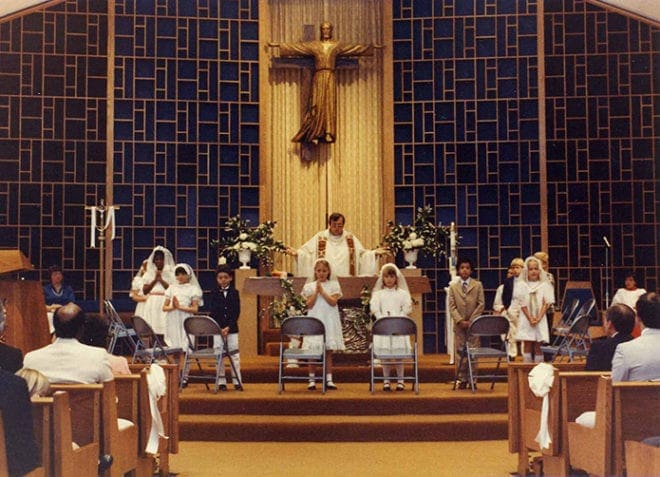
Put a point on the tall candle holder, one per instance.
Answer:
(106, 224)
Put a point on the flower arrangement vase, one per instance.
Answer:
(410, 256)
(244, 256)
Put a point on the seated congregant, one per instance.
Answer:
(639, 360)
(619, 323)
(22, 452)
(67, 360)
(56, 293)
(11, 359)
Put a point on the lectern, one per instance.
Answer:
(26, 326)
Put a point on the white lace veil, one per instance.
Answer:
(168, 267)
(192, 280)
(543, 276)
(400, 279)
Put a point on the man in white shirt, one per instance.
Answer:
(342, 249)
(639, 360)
(67, 360)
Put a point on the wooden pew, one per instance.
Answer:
(168, 406)
(642, 459)
(128, 395)
(566, 397)
(53, 431)
(122, 444)
(624, 411)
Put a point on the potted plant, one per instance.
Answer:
(238, 242)
(422, 235)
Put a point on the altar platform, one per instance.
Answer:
(349, 414)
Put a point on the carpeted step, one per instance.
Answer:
(345, 371)
(350, 399)
(324, 428)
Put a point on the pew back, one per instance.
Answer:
(642, 459)
(565, 396)
(636, 416)
(120, 444)
(168, 407)
(53, 431)
(624, 411)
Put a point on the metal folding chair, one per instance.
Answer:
(149, 347)
(574, 343)
(301, 326)
(201, 330)
(117, 329)
(398, 329)
(568, 314)
(487, 328)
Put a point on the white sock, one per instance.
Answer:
(312, 377)
(527, 357)
(328, 377)
(538, 358)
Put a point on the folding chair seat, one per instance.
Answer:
(574, 343)
(118, 330)
(300, 327)
(201, 331)
(400, 331)
(489, 329)
(149, 347)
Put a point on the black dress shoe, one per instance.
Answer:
(222, 387)
(105, 461)
(238, 387)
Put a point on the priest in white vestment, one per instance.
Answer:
(343, 250)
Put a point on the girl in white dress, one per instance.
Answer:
(156, 280)
(390, 297)
(322, 295)
(136, 293)
(533, 294)
(182, 299)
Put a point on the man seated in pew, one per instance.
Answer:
(67, 360)
(639, 360)
(619, 323)
(16, 410)
(11, 359)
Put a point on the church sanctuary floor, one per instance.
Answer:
(329, 459)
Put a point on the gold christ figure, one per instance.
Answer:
(319, 121)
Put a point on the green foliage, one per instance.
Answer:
(238, 235)
(289, 304)
(422, 235)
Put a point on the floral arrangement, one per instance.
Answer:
(422, 235)
(238, 235)
(289, 304)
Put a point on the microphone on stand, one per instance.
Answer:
(607, 272)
